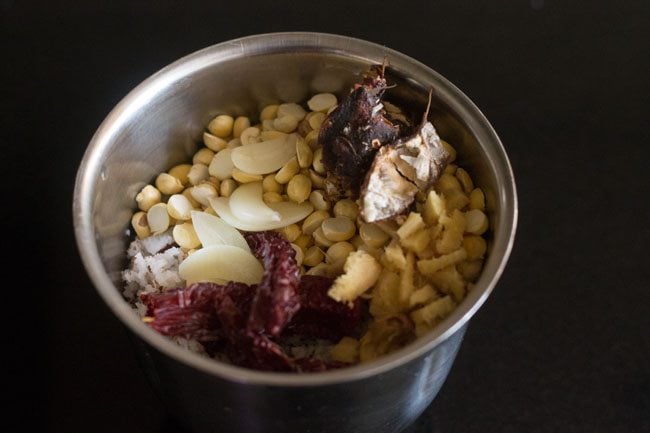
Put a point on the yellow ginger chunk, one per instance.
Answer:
(436, 231)
(385, 299)
(393, 257)
(385, 335)
(431, 266)
(412, 224)
(430, 250)
(361, 272)
(434, 312)
(406, 284)
(346, 350)
(418, 241)
(423, 296)
(450, 281)
(452, 235)
(434, 208)
(427, 253)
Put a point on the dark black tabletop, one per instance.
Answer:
(562, 345)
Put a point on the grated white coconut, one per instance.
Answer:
(153, 266)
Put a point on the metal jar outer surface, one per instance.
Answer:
(160, 123)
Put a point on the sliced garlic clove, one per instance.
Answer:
(221, 165)
(221, 262)
(266, 156)
(246, 204)
(212, 230)
(290, 213)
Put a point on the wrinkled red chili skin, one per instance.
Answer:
(241, 319)
(321, 316)
(190, 312)
(276, 299)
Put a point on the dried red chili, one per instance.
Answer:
(241, 317)
(190, 312)
(320, 316)
(276, 299)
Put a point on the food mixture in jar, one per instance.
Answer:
(308, 237)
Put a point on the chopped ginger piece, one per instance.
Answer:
(452, 235)
(436, 231)
(427, 253)
(406, 286)
(346, 350)
(431, 266)
(422, 296)
(435, 311)
(418, 241)
(393, 257)
(361, 272)
(412, 224)
(385, 335)
(434, 208)
(450, 281)
(385, 299)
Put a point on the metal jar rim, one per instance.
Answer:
(286, 42)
